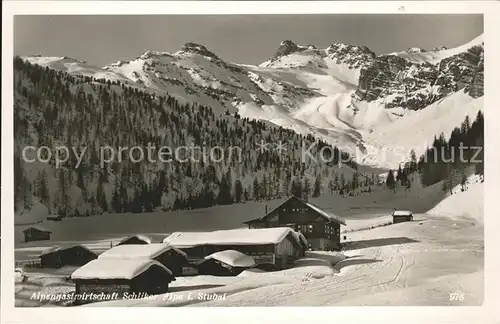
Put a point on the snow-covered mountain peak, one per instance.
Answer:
(438, 54)
(191, 48)
(416, 50)
(439, 48)
(50, 59)
(288, 47)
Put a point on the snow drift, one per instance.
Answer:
(232, 258)
(467, 204)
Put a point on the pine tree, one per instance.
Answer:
(238, 191)
(413, 161)
(331, 186)
(297, 188)
(256, 189)
(390, 181)
(43, 190)
(306, 188)
(317, 187)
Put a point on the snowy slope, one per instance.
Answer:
(434, 57)
(313, 91)
(75, 67)
(468, 204)
(391, 138)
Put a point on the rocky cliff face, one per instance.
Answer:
(476, 88)
(398, 82)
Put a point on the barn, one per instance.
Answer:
(36, 234)
(59, 256)
(121, 277)
(135, 239)
(278, 247)
(225, 263)
(172, 258)
(321, 228)
(400, 216)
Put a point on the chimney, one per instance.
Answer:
(266, 210)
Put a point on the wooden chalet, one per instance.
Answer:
(120, 276)
(59, 256)
(225, 263)
(277, 247)
(36, 234)
(400, 216)
(135, 239)
(172, 258)
(319, 227)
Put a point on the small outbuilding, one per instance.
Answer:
(400, 216)
(60, 256)
(169, 256)
(225, 263)
(36, 234)
(135, 239)
(119, 277)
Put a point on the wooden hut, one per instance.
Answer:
(225, 263)
(169, 256)
(320, 227)
(400, 216)
(36, 234)
(135, 239)
(59, 256)
(279, 247)
(122, 278)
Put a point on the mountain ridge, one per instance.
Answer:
(340, 94)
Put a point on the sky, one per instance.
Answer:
(249, 39)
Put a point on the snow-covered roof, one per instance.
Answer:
(145, 251)
(232, 258)
(401, 213)
(140, 237)
(301, 238)
(326, 214)
(115, 268)
(38, 228)
(62, 248)
(229, 237)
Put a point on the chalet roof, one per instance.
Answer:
(325, 214)
(38, 228)
(133, 251)
(115, 268)
(328, 215)
(62, 248)
(402, 213)
(232, 258)
(139, 236)
(230, 237)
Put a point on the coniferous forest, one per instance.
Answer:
(450, 160)
(52, 109)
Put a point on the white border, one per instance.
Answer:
(451, 314)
